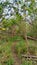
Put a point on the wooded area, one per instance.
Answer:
(18, 32)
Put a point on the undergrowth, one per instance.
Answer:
(6, 57)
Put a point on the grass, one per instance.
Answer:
(21, 47)
(27, 62)
(5, 53)
(30, 62)
(6, 57)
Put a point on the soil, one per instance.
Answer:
(17, 61)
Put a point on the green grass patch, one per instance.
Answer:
(20, 48)
(6, 57)
(27, 62)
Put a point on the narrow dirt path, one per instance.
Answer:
(17, 61)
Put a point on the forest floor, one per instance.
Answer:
(17, 61)
(12, 48)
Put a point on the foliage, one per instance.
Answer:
(1, 9)
(22, 28)
(18, 25)
(9, 61)
(5, 52)
(19, 18)
(8, 23)
(27, 62)
(33, 29)
(17, 38)
(21, 47)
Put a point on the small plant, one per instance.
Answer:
(32, 50)
(21, 47)
(9, 62)
(27, 62)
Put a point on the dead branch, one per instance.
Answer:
(30, 57)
